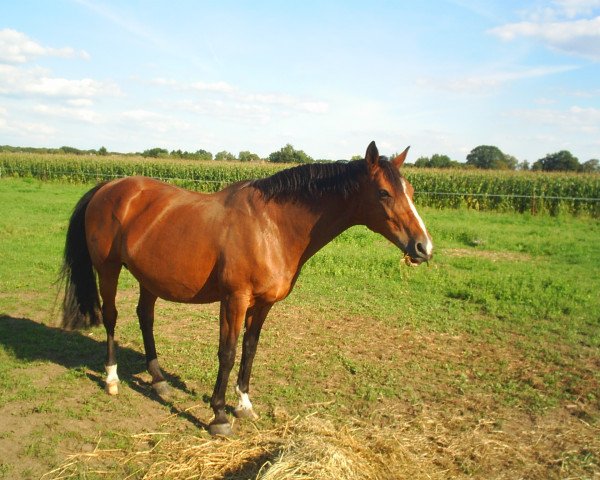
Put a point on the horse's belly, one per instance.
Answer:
(172, 269)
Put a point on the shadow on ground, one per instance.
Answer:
(31, 341)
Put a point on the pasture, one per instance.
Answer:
(485, 364)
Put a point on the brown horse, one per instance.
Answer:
(243, 246)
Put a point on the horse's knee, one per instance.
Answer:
(227, 357)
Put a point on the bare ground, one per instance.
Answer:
(442, 403)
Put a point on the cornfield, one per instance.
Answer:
(534, 192)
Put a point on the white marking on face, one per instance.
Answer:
(428, 244)
(245, 403)
(111, 373)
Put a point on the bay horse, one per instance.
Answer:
(243, 246)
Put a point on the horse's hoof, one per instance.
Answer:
(112, 388)
(246, 413)
(220, 430)
(162, 390)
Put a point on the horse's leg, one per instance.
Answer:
(108, 278)
(145, 312)
(233, 313)
(254, 323)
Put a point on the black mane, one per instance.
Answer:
(315, 179)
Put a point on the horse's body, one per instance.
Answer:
(243, 246)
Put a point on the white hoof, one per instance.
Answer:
(112, 380)
(112, 388)
(245, 413)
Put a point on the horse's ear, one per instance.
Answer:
(372, 155)
(399, 160)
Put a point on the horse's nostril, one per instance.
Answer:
(421, 249)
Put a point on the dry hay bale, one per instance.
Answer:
(308, 448)
(316, 449)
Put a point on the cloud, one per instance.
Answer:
(22, 129)
(574, 36)
(216, 87)
(153, 121)
(78, 114)
(37, 81)
(223, 100)
(477, 84)
(584, 120)
(574, 8)
(16, 47)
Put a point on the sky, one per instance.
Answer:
(442, 76)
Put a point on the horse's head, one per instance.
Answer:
(390, 210)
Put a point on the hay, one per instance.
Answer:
(425, 447)
(307, 448)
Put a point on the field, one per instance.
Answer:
(485, 364)
(505, 191)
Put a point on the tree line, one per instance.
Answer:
(486, 157)
(489, 157)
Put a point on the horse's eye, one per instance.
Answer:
(384, 193)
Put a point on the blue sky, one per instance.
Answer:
(328, 77)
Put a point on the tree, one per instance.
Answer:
(155, 152)
(524, 166)
(202, 155)
(102, 151)
(490, 157)
(288, 154)
(357, 157)
(225, 156)
(562, 161)
(422, 162)
(246, 156)
(590, 166)
(71, 150)
(436, 161)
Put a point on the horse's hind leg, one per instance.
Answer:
(145, 312)
(108, 279)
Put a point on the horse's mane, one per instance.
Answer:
(315, 179)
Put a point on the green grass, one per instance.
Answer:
(505, 316)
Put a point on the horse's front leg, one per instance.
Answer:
(254, 323)
(233, 313)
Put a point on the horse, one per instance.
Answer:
(243, 246)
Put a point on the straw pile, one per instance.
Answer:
(424, 447)
(308, 448)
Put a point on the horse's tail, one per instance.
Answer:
(81, 304)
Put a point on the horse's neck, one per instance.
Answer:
(317, 224)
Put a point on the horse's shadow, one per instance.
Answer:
(31, 341)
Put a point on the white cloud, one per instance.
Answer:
(217, 87)
(27, 130)
(80, 102)
(574, 8)
(223, 100)
(16, 47)
(78, 114)
(37, 81)
(584, 120)
(574, 36)
(477, 84)
(153, 121)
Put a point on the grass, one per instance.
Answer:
(496, 341)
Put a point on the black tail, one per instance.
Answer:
(81, 305)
